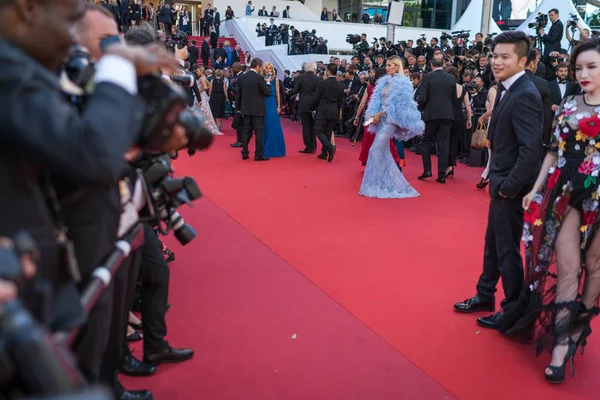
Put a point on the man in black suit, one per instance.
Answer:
(543, 89)
(554, 37)
(193, 54)
(250, 100)
(328, 100)
(561, 87)
(437, 95)
(217, 22)
(205, 52)
(237, 124)
(306, 86)
(515, 134)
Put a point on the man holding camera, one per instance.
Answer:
(554, 37)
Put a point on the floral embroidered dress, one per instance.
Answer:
(573, 181)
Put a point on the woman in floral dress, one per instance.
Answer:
(561, 221)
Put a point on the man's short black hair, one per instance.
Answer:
(256, 62)
(554, 10)
(142, 34)
(518, 38)
(533, 54)
(332, 68)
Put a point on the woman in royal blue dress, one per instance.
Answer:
(273, 141)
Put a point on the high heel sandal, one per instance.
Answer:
(450, 173)
(557, 374)
(482, 183)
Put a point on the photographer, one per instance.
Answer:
(572, 26)
(554, 37)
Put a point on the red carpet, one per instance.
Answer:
(375, 271)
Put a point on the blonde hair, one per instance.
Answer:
(397, 61)
(227, 43)
(268, 64)
(201, 70)
(219, 73)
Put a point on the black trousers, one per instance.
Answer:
(502, 255)
(308, 130)
(324, 130)
(437, 131)
(124, 283)
(256, 124)
(154, 277)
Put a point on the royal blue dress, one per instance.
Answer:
(273, 141)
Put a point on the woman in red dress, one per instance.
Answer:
(368, 137)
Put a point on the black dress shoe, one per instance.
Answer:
(441, 180)
(331, 153)
(474, 304)
(306, 151)
(236, 144)
(134, 367)
(262, 158)
(491, 321)
(424, 176)
(245, 157)
(322, 156)
(136, 395)
(169, 355)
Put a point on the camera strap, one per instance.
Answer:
(65, 245)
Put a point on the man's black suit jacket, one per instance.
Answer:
(437, 95)
(328, 98)
(42, 132)
(516, 136)
(572, 88)
(544, 90)
(214, 38)
(252, 90)
(193, 54)
(205, 50)
(553, 38)
(305, 86)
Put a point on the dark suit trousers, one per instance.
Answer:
(154, 293)
(308, 130)
(256, 124)
(502, 255)
(324, 130)
(436, 131)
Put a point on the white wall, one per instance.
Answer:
(335, 32)
(297, 9)
(471, 20)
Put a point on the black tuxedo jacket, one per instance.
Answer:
(193, 53)
(544, 90)
(205, 50)
(42, 132)
(328, 98)
(553, 38)
(250, 97)
(437, 95)
(305, 86)
(214, 38)
(555, 97)
(516, 136)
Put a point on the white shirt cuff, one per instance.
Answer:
(117, 70)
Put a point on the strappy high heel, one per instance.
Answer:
(482, 183)
(557, 374)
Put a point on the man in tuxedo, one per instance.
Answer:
(193, 54)
(205, 52)
(328, 100)
(306, 86)
(286, 12)
(515, 135)
(543, 89)
(237, 124)
(437, 95)
(561, 87)
(250, 100)
(554, 37)
(217, 21)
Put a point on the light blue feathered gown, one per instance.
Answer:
(382, 177)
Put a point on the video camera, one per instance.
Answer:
(572, 21)
(353, 39)
(166, 104)
(445, 37)
(541, 20)
(462, 34)
(166, 194)
(179, 40)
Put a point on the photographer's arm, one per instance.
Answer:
(38, 122)
(568, 34)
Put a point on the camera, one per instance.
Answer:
(166, 194)
(471, 87)
(166, 104)
(468, 63)
(179, 41)
(572, 21)
(353, 39)
(444, 37)
(541, 20)
(462, 34)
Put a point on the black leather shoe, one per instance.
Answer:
(491, 321)
(245, 157)
(263, 158)
(134, 367)
(424, 176)
(169, 355)
(306, 151)
(236, 144)
(474, 304)
(136, 395)
(331, 153)
(322, 156)
(441, 180)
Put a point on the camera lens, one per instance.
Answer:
(185, 234)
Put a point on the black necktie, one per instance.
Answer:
(501, 89)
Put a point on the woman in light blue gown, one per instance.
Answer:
(273, 141)
(394, 114)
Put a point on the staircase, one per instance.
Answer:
(222, 39)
